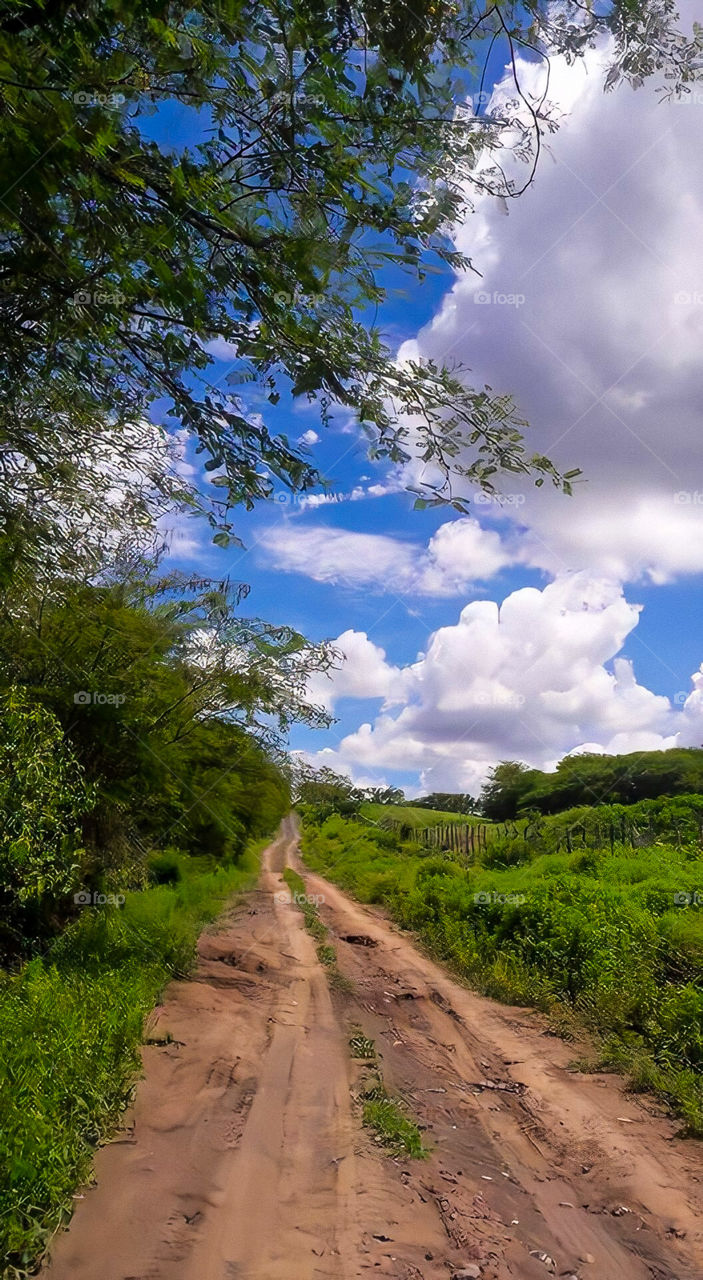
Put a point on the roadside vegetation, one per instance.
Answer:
(513, 789)
(606, 938)
(71, 1022)
(139, 773)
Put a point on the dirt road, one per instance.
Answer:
(244, 1157)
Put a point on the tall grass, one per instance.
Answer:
(613, 939)
(70, 1027)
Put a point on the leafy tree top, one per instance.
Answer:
(319, 143)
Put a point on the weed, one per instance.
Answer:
(393, 1128)
(361, 1047)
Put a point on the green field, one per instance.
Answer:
(413, 815)
(609, 939)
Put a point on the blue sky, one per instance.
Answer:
(580, 616)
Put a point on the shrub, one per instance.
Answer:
(165, 868)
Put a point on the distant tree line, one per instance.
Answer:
(447, 802)
(514, 790)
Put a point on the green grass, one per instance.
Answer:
(381, 1112)
(392, 1126)
(70, 1028)
(326, 953)
(414, 815)
(594, 938)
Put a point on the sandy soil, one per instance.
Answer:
(244, 1157)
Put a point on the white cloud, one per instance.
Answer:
(603, 356)
(363, 673)
(459, 554)
(309, 437)
(528, 679)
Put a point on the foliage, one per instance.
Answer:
(154, 697)
(502, 793)
(393, 1128)
(590, 779)
(165, 868)
(186, 178)
(323, 792)
(616, 936)
(70, 1027)
(448, 801)
(43, 798)
(384, 795)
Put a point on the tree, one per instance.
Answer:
(319, 142)
(586, 778)
(173, 704)
(43, 799)
(448, 802)
(502, 794)
(385, 795)
(324, 791)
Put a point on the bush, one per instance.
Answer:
(593, 934)
(165, 868)
(42, 801)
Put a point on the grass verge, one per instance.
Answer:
(70, 1028)
(607, 941)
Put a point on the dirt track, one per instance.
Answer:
(244, 1157)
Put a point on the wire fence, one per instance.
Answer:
(468, 839)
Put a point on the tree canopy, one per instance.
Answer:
(137, 713)
(587, 778)
(232, 175)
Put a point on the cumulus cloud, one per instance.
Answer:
(459, 554)
(590, 311)
(362, 673)
(603, 260)
(532, 679)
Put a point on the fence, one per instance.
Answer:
(468, 839)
